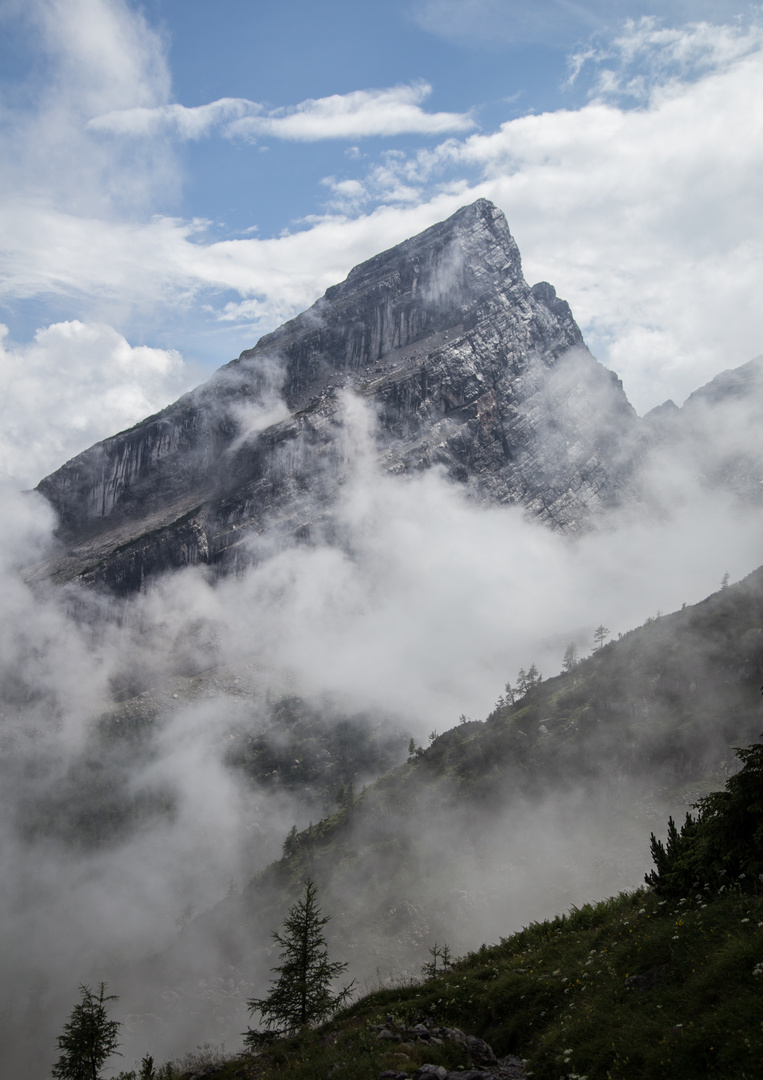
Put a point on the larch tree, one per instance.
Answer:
(89, 1037)
(302, 993)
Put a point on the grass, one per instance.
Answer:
(630, 988)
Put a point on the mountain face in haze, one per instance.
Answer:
(462, 365)
(718, 428)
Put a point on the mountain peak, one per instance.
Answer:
(463, 365)
(426, 284)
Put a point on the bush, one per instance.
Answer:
(722, 843)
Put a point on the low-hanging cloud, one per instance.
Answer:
(417, 605)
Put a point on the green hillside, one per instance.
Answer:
(641, 985)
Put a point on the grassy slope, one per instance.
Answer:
(557, 995)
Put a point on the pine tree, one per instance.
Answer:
(301, 994)
(570, 659)
(600, 634)
(88, 1039)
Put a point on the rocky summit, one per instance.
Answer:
(462, 365)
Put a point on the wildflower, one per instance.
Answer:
(758, 969)
(745, 920)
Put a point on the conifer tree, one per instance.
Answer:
(301, 994)
(570, 659)
(722, 843)
(88, 1039)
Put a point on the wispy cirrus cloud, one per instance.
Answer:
(359, 114)
(490, 24)
(647, 56)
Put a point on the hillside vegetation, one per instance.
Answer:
(645, 984)
(639, 730)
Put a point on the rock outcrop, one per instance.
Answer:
(485, 1065)
(462, 364)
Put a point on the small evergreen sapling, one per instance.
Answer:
(301, 994)
(88, 1039)
(430, 970)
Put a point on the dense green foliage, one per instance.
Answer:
(89, 1038)
(722, 843)
(302, 993)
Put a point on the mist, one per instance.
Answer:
(412, 610)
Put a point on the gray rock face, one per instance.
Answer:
(463, 365)
(717, 431)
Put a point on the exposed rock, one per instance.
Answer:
(463, 366)
(462, 363)
(480, 1052)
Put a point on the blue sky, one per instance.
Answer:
(179, 177)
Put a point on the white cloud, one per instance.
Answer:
(495, 23)
(103, 51)
(184, 122)
(647, 55)
(358, 114)
(75, 384)
(646, 219)
(92, 56)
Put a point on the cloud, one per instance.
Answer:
(648, 56)
(180, 120)
(425, 605)
(74, 384)
(355, 115)
(90, 56)
(645, 219)
(493, 24)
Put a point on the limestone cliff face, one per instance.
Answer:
(463, 364)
